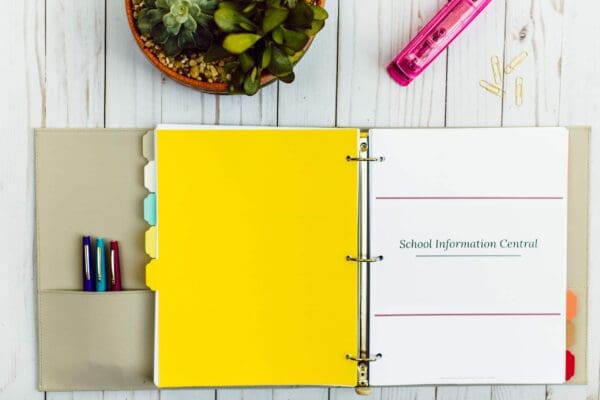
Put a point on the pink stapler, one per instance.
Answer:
(433, 39)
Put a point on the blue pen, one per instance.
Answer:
(88, 265)
(100, 266)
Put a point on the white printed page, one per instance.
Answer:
(472, 225)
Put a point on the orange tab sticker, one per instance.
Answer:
(570, 334)
(571, 305)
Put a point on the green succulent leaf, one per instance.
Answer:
(203, 38)
(230, 20)
(237, 43)
(171, 46)
(228, 4)
(315, 27)
(207, 5)
(180, 11)
(248, 26)
(171, 24)
(297, 56)
(319, 13)
(215, 53)
(252, 82)
(150, 3)
(204, 19)
(231, 67)
(294, 40)
(190, 25)
(246, 62)
(266, 56)
(186, 39)
(280, 64)
(163, 5)
(288, 51)
(289, 78)
(238, 78)
(277, 35)
(273, 18)
(159, 34)
(194, 10)
(147, 19)
(249, 8)
(301, 16)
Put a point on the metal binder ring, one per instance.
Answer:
(367, 359)
(367, 260)
(367, 159)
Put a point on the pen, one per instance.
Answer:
(100, 266)
(434, 38)
(88, 267)
(115, 267)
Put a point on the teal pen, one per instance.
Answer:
(100, 266)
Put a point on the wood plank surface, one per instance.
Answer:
(22, 107)
(74, 64)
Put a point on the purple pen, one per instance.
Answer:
(87, 265)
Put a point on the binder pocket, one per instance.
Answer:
(89, 182)
(96, 341)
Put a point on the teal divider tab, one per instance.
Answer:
(150, 209)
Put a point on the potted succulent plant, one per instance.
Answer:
(222, 46)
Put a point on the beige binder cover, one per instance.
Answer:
(90, 181)
(577, 275)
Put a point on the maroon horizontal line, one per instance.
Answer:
(474, 315)
(470, 198)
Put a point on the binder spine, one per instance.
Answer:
(363, 260)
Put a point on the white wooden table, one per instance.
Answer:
(69, 63)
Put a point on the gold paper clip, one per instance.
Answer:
(492, 88)
(363, 359)
(519, 91)
(514, 64)
(368, 260)
(497, 70)
(369, 159)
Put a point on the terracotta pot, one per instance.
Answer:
(216, 88)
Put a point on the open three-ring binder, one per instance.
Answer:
(310, 257)
(314, 257)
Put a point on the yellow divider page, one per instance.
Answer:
(253, 230)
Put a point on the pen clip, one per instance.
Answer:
(112, 266)
(99, 262)
(86, 261)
